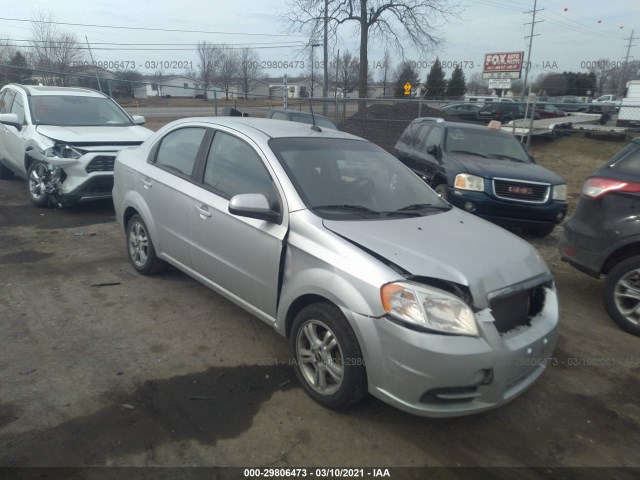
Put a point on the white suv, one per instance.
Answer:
(63, 141)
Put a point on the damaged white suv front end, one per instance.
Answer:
(63, 141)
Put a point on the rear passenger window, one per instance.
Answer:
(178, 150)
(233, 167)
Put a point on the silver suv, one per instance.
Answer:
(63, 141)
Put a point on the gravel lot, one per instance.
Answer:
(101, 366)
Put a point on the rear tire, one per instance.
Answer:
(621, 295)
(140, 249)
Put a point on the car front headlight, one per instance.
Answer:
(466, 181)
(428, 307)
(62, 151)
(559, 192)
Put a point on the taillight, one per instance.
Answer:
(599, 187)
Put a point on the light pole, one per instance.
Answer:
(313, 58)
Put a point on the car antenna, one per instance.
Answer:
(314, 127)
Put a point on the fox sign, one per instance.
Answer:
(502, 65)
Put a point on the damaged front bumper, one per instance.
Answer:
(439, 375)
(85, 174)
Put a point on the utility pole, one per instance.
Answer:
(530, 37)
(623, 74)
(325, 92)
(95, 66)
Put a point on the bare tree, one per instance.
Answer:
(55, 51)
(227, 68)
(384, 77)
(346, 74)
(387, 20)
(248, 68)
(476, 84)
(207, 54)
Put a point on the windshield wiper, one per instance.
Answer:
(506, 157)
(468, 152)
(355, 208)
(421, 206)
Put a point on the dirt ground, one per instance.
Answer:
(100, 366)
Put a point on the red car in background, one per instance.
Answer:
(547, 110)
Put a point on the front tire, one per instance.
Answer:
(140, 249)
(542, 232)
(39, 184)
(328, 359)
(622, 295)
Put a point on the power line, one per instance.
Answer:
(120, 27)
(194, 45)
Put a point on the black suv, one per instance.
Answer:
(484, 171)
(302, 117)
(603, 235)
(505, 112)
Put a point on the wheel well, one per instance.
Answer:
(128, 213)
(298, 304)
(619, 255)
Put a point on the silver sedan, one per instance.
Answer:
(381, 286)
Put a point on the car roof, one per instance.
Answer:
(270, 127)
(297, 112)
(448, 124)
(39, 90)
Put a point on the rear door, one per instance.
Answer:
(238, 256)
(165, 182)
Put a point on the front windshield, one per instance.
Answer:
(342, 178)
(484, 143)
(70, 110)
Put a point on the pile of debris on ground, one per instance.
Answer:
(383, 124)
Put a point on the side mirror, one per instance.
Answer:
(253, 205)
(532, 159)
(139, 119)
(432, 149)
(10, 119)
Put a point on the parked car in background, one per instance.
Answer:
(602, 237)
(486, 172)
(548, 110)
(302, 117)
(63, 141)
(504, 112)
(464, 111)
(612, 100)
(379, 284)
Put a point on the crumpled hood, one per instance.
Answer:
(107, 135)
(493, 167)
(454, 246)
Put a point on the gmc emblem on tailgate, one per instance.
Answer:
(521, 190)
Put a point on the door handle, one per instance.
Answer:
(146, 184)
(203, 211)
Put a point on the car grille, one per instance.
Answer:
(101, 163)
(519, 191)
(517, 309)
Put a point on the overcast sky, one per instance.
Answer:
(572, 32)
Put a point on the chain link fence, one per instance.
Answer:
(162, 99)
